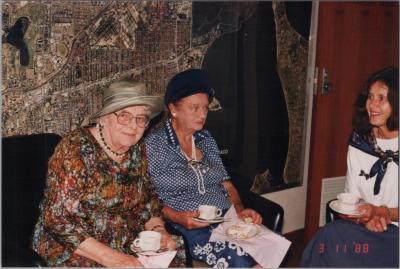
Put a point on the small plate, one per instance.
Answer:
(334, 205)
(148, 253)
(242, 231)
(216, 220)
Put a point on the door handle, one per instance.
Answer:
(326, 85)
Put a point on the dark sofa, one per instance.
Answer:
(24, 168)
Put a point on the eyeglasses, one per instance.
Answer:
(214, 105)
(125, 118)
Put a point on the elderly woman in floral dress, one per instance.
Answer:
(99, 195)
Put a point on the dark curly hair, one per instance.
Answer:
(390, 77)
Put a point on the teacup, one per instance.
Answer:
(148, 241)
(348, 201)
(209, 212)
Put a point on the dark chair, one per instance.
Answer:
(330, 214)
(271, 212)
(24, 169)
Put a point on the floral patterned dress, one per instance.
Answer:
(90, 195)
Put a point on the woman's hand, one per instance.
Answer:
(184, 218)
(377, 224)
(243, 213)
(187, 220)
(250, 213)
(157, 224)
(167, 241)
(369, 212)
(375, 218)
(104, 255)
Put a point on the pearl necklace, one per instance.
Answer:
(194, 165)
(194, 158)
(104, 144)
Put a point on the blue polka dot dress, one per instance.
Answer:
(183, 186)
(179, 185)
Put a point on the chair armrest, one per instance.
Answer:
(330, 214)
(271, 212)
(14, 255)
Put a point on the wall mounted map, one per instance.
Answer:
(58, 55)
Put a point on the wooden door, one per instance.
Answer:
(354, 40)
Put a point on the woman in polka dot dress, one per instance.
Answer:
(187, 171)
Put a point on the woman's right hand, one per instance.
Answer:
(104, 255)
(189, 222)
(184, 218)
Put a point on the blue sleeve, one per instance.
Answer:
(156, 157)
(213, 155)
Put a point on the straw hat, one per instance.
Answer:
(125, 93)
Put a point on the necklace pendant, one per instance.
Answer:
(105, 146)
(193, 162)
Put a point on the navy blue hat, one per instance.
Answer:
(187, 83)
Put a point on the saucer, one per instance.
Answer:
(137, 250)
(216, 220)
(242, 230)
(334, 205)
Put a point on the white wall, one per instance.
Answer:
(293, 200)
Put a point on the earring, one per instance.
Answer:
(173, 114)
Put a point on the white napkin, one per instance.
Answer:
(157, 261)
(267, 247)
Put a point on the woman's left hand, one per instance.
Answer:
(167, 241)
(250, 213)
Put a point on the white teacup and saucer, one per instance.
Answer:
(346, 203)
(210, 214)
(148, 243)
